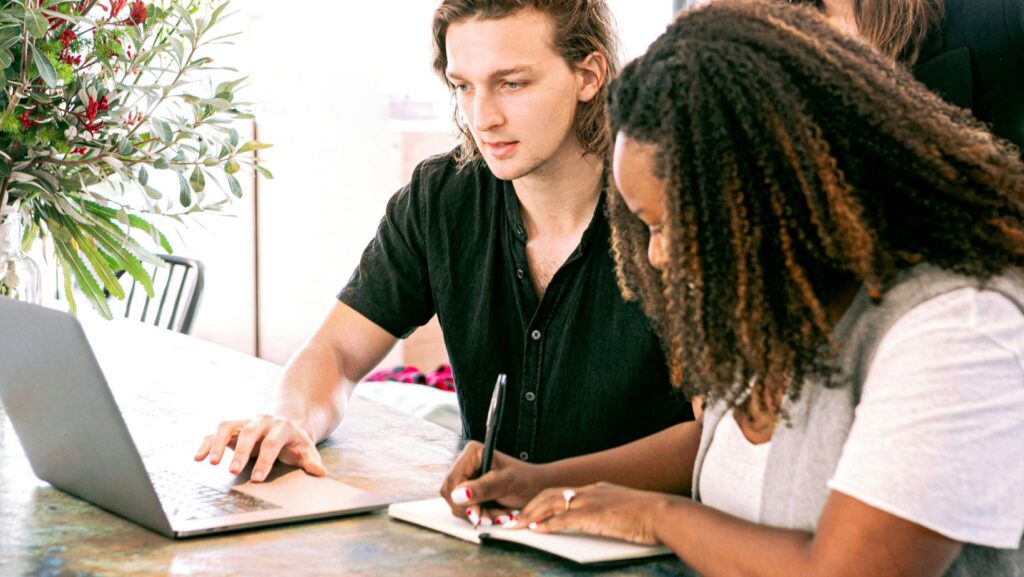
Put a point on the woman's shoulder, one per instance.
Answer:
(968, 314)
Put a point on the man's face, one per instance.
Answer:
(515, 92)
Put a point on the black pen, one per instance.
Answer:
(493, 423)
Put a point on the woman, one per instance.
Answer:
(835, 258)
(970, 52)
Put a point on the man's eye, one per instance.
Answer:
(460, 87)
(514, 85)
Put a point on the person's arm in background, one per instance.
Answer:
(310, 399)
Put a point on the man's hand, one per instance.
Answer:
(266, 437)
(510, 483)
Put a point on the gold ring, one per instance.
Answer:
(568, 495)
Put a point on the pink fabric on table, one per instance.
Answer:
(441, 379)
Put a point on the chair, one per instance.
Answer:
(177, 290)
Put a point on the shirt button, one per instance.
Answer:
(519, 230)
(530, 396)
(535, 335)
(524, 456)
(519, 273)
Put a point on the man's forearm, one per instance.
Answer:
(313, 390)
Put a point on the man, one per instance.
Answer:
(505, 240)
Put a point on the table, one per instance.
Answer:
(173, 389)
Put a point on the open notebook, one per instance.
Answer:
(583, 549)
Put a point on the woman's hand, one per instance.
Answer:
(601, 509)
(510, 484)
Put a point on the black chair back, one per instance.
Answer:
(177, 290)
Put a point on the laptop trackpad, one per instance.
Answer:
(290, 487)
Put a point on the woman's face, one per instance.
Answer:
(633, 168)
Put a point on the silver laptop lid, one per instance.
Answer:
(65, 415)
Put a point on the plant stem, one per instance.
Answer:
(3, 191)
(174, 83)
(15, 94)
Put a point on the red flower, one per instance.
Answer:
(67, 58)
(92, 127)
(27, 122)
(115, 6)
(67, 37)
(138, 13)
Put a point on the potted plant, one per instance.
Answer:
(100, 97)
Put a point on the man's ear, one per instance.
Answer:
(592, 73)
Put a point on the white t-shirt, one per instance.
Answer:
(732, 475)
(938, 436)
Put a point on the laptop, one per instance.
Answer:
(76, 439)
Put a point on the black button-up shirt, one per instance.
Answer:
(585, 370)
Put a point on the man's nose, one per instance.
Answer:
(486, 111)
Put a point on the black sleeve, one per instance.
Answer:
(391, 285)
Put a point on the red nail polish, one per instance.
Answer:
(469, 493)
(469, 512)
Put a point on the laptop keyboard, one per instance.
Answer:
(185, 498)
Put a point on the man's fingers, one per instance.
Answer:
(225, 432)
(247, 439)
(270, 448)
(204, 448)
(312, 463)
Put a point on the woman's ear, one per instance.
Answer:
(592, 73)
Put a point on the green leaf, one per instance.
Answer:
(266, 173)
(161, 163)
(217, 103)
(65, 269)
(228, 87)
(135, 221)
(37, 24)
(124, 147)
(5, 167)
(46, 70)
(216, 14)
(100, 266)
(236, 188)
(6, 58)
(197, 180)
(9, 38)
(231, 166)
(126, 251)
(233, 136)
(163, 130)
(86, 281)
(152, 192)
(253, 145)
(183, 14)
(143, 176)
(185, 196)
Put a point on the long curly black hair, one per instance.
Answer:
(796, 159)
